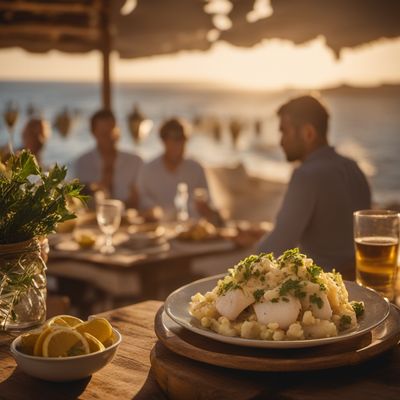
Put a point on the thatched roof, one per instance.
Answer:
(344, 23)
(167, 26)
(154, 27)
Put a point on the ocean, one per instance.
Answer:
(365, 124)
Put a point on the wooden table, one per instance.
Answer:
(124, 280)
(127, 377)
(130, 375)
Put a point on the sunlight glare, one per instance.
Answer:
(262, 9)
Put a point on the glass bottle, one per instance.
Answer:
(181, 202)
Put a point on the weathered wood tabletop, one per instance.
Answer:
(130, 375)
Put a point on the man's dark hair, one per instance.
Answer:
(101, 114)
(173, 128)
(306, 109)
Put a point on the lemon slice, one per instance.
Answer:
(110, 341)
(38, 348)
(100, 328)
(57, 321)
(94, 344)
(28, 340)
(65, 342)
(65, 320)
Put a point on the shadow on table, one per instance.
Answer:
(150, 390)
(21, 386)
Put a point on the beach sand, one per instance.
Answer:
(242, 197)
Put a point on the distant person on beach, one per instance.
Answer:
(235, 127)
(35, 135)
(105, 167)
(324, 191)
(159, 179)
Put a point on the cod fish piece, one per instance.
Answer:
(232, 303)
(325, 312)
(282, 312)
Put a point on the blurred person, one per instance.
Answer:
(235, 128)
(317, 211)
(106, 168)
(35, 135)
(159, 179)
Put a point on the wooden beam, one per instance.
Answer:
(47, 8)
(51, 30)
(105, 49)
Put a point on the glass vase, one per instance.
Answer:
(22, 285)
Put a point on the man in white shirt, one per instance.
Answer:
(105, 167)
(158, 180)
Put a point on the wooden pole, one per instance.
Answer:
(105, 48)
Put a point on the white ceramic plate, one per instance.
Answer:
(177, 307)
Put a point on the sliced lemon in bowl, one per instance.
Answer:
(94, 343)
(65, 342)
(64, 320)
(28, 341)
(100, 328)
(38, 348)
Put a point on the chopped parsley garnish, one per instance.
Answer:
(344, 323)
(292, 256)
(285, 299)
(258, 294)
(226, 287)
(314, 298)
(358, 307)
(275, 300)
(292, 286)
(314, 272)
(288, 286)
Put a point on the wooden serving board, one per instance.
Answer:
(194, 369)
(348, 352)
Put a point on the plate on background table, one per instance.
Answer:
(177, 307)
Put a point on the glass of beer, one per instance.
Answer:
(376, 238)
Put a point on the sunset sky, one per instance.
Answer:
(273, 64)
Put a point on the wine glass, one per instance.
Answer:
(108, 215)
(10, 117)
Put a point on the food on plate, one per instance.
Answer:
(66, 336)
(200, 230)
(85, 238)
(288, 298)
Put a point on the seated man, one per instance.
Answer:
(324, 191)
(105, 167)
(159, 179)
(35, 135)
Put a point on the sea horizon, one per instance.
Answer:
(364, 123)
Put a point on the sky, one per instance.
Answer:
(272, 64)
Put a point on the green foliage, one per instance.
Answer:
(33, 202)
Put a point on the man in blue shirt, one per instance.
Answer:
(324, 191)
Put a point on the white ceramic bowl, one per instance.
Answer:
(66, 368)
